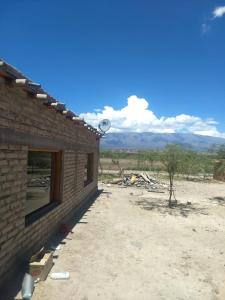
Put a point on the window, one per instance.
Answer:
(88, 170)
(43, 180)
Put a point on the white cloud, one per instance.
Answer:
(137, 117)
(219, 12)
(205, 28)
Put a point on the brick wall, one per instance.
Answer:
(26, 115)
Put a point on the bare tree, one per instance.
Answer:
(117, 163)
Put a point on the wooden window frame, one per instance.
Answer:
(90, 168)
(55, 188)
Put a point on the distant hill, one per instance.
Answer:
(148, 140)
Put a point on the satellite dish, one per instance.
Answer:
(104, 125)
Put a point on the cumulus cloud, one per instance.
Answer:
(219, 12)
(137, 117)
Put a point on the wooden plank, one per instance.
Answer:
(90, 166)
(68, 113)
(21, 81)
(77, 119)
(56, 176)
(41, 268)
(10, 71)
(30, 87)
(45, 98)
(58, 106)
(41, 96)
(11, 136)
(34, 84)
(3, 72)
(43, 149)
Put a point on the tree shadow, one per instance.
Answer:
(161, 206)
(219, 200)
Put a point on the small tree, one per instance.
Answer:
(219, 167)
(150, 158)
(171, 158)
(221, 152)
(207, 166)
(191, 164)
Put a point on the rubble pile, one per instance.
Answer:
(143, 180)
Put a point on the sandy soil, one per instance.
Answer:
(129, 245)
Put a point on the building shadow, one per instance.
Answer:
(13, 285)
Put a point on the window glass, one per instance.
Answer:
(39, 180)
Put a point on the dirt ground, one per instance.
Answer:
(129, 245)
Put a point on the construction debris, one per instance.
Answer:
(27, 287)
(41, 264)
(60, 275)
(116, 181)
(143, 180)
(55, 247)
(133, 179)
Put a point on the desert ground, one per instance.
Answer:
(130, 245)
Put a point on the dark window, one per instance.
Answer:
(88, 172)
(43, 179)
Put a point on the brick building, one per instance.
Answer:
(48, 166)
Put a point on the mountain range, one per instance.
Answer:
(148, 140)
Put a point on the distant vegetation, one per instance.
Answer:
(191, 163)
(219, 168)
(221, 152)
(173, 162)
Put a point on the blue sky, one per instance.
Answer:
(92, 54)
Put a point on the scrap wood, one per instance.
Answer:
(143, 180)
(150, 178)
(156, 191)
(41, 267)
(116, 180)
(38, 255)
(145, 177)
